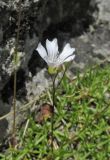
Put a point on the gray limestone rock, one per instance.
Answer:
(104, 10)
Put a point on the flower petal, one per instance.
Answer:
(67, 51)
(52, 48)
(41, 51)
(70, 58)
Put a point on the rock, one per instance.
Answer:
(104, 10)
(84, 24)
(92, 48)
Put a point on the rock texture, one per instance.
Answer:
(86, 25)
(104, 10)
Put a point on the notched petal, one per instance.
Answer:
(41, 50)
(67, 51)
(52, 48)
(70, 58)
(48, 46)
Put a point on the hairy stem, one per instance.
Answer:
(15, 72)
(65, 69)
(53, 112)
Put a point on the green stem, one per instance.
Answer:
(63, 76)
(15, 72)
(53, 106)
(53, 112)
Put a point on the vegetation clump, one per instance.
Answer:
(81, 122)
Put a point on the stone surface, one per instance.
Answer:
(86, 25)
(104, 10)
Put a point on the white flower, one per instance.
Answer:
(51, 54)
